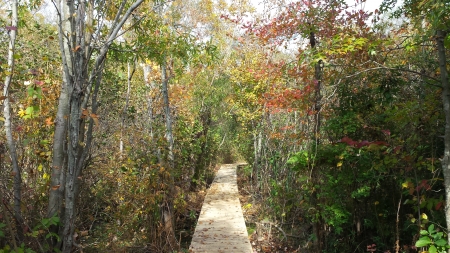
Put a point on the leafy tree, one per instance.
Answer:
(81, 81)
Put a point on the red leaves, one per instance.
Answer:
(423, 185)
(439, 205)
(359, 144)
(37, 82)
(282, 99)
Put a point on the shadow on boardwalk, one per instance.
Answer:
(221, 225)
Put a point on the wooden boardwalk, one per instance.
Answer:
(221, 225)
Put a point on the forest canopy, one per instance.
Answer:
(117, 113)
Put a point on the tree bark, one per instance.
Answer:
(440, 36)
(77, 85)
(125, 107)
(317, 225)
(17, 184)
(205, 119)
(165, 92)
(167, 211)
(56, 195)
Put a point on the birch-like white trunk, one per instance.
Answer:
(17, 184)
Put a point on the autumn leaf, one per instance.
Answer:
(56, 187)
(95, 118)
(76, 48)
(48, 121)
(84, 113)
(424, 216)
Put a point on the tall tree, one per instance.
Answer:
(83, 64)
(431, 20)
(16, 172)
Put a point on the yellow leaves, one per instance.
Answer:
(21, 112)
(40, 167)
(46, 176)
(424, 216)
(339, 164)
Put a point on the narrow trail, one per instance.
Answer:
(221, 225)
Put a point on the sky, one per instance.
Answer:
(369, 5)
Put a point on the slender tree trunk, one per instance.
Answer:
(148, 84)
(57, 183)
(165, 92)
(125, 107)
(317, 225)
(76, 54)
(440, 36)
(205, 119)
(168, 206)
(17, 185)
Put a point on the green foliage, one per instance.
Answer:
(38, 231)
(433, 240)
(21, 249)
(298, 161)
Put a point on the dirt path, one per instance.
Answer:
(221, 225)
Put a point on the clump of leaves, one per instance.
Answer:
(433, 239)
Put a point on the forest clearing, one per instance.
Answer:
(118, 115)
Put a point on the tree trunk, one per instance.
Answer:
(148, 84)
(317, 225)
(165, 92)
(151, 87)
(125, 107)
(75, 119)
(57, 183)
(205, 119)
(168, 218)
(440, 36)
(76, 54)
(17, 185)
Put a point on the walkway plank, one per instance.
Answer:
(221, 225)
